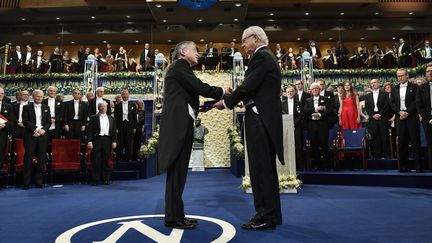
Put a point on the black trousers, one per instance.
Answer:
(299, 141)
(18, 132)
(3, 142)
(408, 132)
(137, 142)
(100, 155)
(262, 170)
(74, 130)
(318, 135)
(125, 141)
(428, 134)
(176, 179)
(34, 146)
(378, 130)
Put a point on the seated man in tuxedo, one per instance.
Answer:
(292, 106)
(316, 111)
(101, 138)
(37, 120)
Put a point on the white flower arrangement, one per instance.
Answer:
(150, 147)
(236, 142)
(285, 182)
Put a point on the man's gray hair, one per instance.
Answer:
(180, 47)
(100, 88)
(315, 84)
(36, 91)
(259, 33)
(102, 103)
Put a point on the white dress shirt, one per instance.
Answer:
(19, 55)
(316, 100)
(38, 111)
(28, 56)
(0, 105)
(375, 94)
(290, 106)
(428, 53)
(402, 94)
(313, 49)
(125, 110)
(299, 94)
(76, 109)
(51, 105)
(22, 104)
(104, 124)
(38, 61)
(400, 49)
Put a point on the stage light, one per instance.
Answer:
(72, 42)
(202, 40)
(158, 5)
(93, 17)
(137, 41)
(170, 41)
(128, 17)
(200, 20)
(377, 13)
(23, 19)
(164, 20)
(238, 4)
(58, 18)
(235, 20)
(306, 14)
(271, 14)
(342, 14)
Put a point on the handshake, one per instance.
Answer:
(208, 105)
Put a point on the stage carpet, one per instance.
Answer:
(318, 213)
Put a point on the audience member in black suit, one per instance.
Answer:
(56, 112)
(292, 106)
(146, 58)
(15, 65)
(332, 112)
(5, 99)
(92, 109)
(18, 129)
(342, 55)
(75, 116)
(424, 108)
(402, 101)
(27, 59)
(403, 53)
(263, 126)
(180, 106)
(232, 50)
(301, 95)
(377, 105)
(211, 51)
(37, 119)
(138, 135)
(101, 138)
(316, 110)
(5, 125)
(126, 118)
(314, 51)
(109, 51)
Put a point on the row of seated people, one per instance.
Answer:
(393, 112)
(70, 120)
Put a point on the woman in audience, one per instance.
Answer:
(349, 109)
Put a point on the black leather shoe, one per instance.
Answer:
(41, 186)
(107, 182)
(181, 224)
(26, 187)
(192, 221)
(258, 226)
(94, 183)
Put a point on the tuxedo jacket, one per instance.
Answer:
(58, 109)
(410, 99)
(304, 96)
(24, 56)
(7, 112)
(15, 109)
(214, 52)
(143, 57)
(318, 52)
(92, 107)
(69, 112)
(309, 108)
(182, 89)
(406, 49)
(7, 100)
(262, 86)
(93, 128)
(298, 111)
(14, 60)
(113, 53)
(423, 102)
(382, 104)
(29, 118)
(132, 113)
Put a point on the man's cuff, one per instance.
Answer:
(223, 102)
(430, 121)
(223, 92)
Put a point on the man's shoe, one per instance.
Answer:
(41, 186)
(94, 183)
(26, 187)
(107, 182)
(258, 226)
(192, 221)
(181, 224)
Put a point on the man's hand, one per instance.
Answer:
(82, 128)
(36, 135)
(2, 126)
(321, 108)
(403, 115)
(114, 145)
(377, 117)
(41, 132)
(134, 130)
(20, 124)
(66, 127)
(228, 91)
(90, 145)
(219, 105)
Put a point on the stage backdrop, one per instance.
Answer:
(216, 144)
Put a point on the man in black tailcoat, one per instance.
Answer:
(56, 111)
(377, 105)
(263, 126)
(101, 138)
(403, 103)
(75, 116)
(180, 108)
(424, 108)
(37, 120)
(125, 114)
(6, 122)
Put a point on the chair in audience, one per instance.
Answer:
(354, 140)
(88, 163)
(65, 157)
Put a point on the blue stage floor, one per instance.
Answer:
(319, 213)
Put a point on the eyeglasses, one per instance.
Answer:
(247, 37)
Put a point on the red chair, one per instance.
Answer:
(65, 157)
(88, 163)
